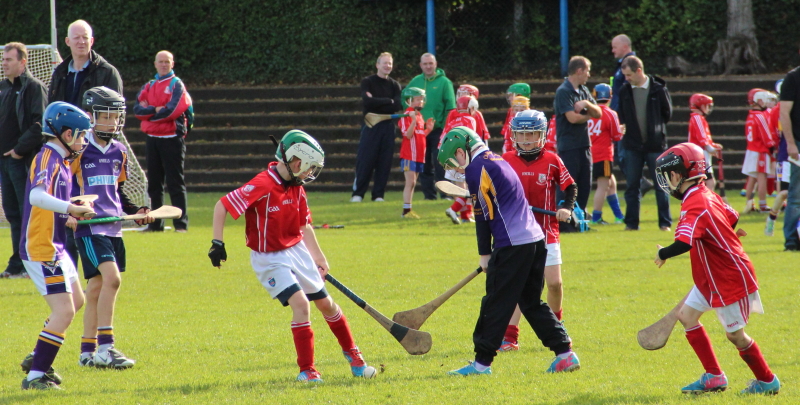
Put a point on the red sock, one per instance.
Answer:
(559, 314)
(341, 329)
(755, 360)
(770, 190)
(698, 339)
(458, 203)
(512, 333)
(304, 345)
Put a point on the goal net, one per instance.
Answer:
(42, 60)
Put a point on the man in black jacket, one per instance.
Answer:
(22, 102)
(645, 108)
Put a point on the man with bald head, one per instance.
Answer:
(620, 47)
(161, 105)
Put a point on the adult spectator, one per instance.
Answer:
(790, 118)
(645, 108)
(160, 105)
(381, 95)
(23, 99)
(440, 99)
(573, 106)
(620, 47)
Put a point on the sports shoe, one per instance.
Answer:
(113, 358)
(664, 228)
(599, 222)
(50, 375)
(410, 215)
(355, 199)
(619, 220)
(707, 383)
(41, 383)
(748, 207)
(379, 199)
(356, 360)
(470, 369)
(309, 376)
(769, 230)
(569, 363)
(761, 387)
(453, 216)
(508, 346)
(86, 361)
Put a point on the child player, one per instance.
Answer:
(285, 254)
(516, 89)
(102, 169)
(47, 212)
(462, 116)
(540, 172)
(480, 123)
(758, 157)
(518, 104)
(412, 149)
(552, 140)
(512, 253)
(603, 131)
(724, 277)
(701, 106)
(783, 166)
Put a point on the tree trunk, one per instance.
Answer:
(518, 34)
(738, 52)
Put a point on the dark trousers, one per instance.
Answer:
(375, 154)
(515, 275)
(579, 164)
(12, 185)
(432, 171)
(792, 240)
(634, 166)
(165, 162)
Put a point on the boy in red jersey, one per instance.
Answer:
(602, 132)
(480, 123)
(540, 172)
(724, 278)
(412, 149)
(462, 116)
(758, 157)
(518, 104)
(550, 144)
(285, 255)
(701, 106)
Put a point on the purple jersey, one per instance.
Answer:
(98, 170)
(44, 232)
(500, 199)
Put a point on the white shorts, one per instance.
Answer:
(553, 254)
(52, 277)
(784, 171)
(734, 316)
(287, 271)
(757, 162)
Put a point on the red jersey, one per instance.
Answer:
(273, 212)
(720, 268)
(775, 123)
(457, 119)
(539, 180)
(508, 144)
(699, 134)
(603, 131)
(479, 126)
(757, 130)
(412, 149)
(550, 143)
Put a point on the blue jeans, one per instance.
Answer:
(633, 162)
(792, 209)
(12, 184)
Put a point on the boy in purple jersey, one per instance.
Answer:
(102, 169)
(512, 253)
(46, 214)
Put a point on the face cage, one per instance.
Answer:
(68, 146)
(315, 171)
(538, 145)
(105, 135)
(453, 175)
(452, 164)
(662, 178)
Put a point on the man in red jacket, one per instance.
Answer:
(161, 104)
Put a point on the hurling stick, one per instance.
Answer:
(414, 318)
(415, 342)
(453, 190)
(656, 335)
(164, 212)
(371, 118)
(84, 198)
(721, 175)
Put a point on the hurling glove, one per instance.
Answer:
(217, 252)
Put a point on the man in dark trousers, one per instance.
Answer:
(23, 99)
(381, 95)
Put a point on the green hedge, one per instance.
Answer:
(305, 41)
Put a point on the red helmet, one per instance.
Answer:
(698, 100)
(686, 159)
(464, 103)
(751, 95)
(468, 89)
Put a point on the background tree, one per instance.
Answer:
(738, 52)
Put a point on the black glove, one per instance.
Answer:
(217, 252)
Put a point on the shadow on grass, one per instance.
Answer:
(595, 399)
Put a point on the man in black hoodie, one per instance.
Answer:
(645, 107)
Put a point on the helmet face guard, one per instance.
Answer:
(59, 117)
(685, 159)
(300, 145)
(458, 138)
(524, 128)
(409, 93)
(104, 103)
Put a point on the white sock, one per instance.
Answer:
(564, 355)
(32, 375)
(104, 348)
(480, 367)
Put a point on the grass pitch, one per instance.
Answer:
(203, 335)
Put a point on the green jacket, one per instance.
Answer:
(440, 96)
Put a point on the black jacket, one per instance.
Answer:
(100, 73)
(31, 102)
(659, 112)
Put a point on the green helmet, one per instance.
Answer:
(520, 89)
(298, 144)
(457, 138)
(410, 92)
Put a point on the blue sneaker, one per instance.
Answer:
(707, 383)
(357, 363)
(569, 363)
(470, 369)
(761, 387)
(309, 376)
(507, 346)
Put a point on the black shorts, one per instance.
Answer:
(97, 249)
(602, 169)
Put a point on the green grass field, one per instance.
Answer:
(203, 335)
